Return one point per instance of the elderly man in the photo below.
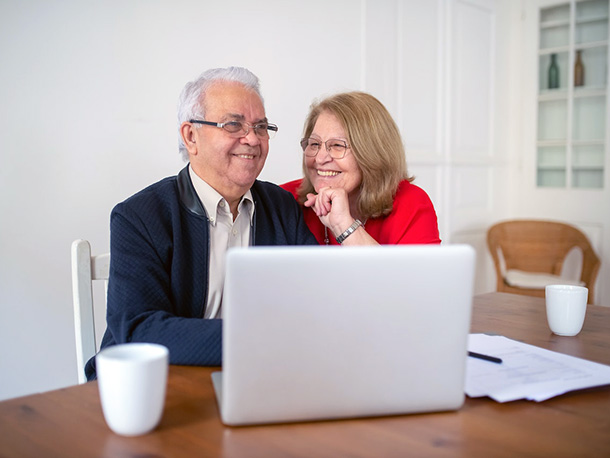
(168, 242)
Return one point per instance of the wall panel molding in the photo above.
(473, 75)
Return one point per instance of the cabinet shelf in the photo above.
(552, 94)
(553, 50)
(572, 121)
(588, 142)
(587, 168)
(593, 91)
(554, 24)
(550, 143)
(550, 168)
(575, 143)
(591, 45)
(558, 168)
(567, 48)
(547, 95)
(588, 20)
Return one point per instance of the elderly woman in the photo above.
(356, 189)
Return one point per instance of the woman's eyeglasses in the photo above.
(336, 148)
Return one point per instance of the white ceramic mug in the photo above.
(132, 380)
(566, 306)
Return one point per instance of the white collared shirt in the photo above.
(224, 234)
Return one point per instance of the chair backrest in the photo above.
(85, 270)
(540, 246)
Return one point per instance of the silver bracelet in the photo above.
(349, 231)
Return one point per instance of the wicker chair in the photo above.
(529, 254)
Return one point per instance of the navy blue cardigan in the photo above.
(158, 285)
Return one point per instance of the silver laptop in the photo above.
(312, 333)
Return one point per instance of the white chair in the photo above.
(85, 270)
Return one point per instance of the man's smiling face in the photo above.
(230, 165)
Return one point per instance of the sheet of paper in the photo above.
(526, 371)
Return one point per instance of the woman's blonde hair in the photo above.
(375, 142)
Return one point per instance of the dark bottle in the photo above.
(553, 73)
(579, 70)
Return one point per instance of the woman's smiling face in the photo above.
(324, 171)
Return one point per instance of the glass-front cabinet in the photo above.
(572, 96)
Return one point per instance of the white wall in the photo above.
(88, 95)
(87, 118)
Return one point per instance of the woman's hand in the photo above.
(331, 205)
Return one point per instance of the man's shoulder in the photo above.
(162, 192)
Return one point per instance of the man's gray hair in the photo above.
(191, 102)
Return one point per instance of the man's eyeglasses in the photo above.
(239, 129)
(335, 147)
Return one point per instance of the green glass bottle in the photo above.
(553, 73)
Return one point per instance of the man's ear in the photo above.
(187, 132)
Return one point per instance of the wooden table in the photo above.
(69, 422)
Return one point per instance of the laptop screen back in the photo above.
(334, 332)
